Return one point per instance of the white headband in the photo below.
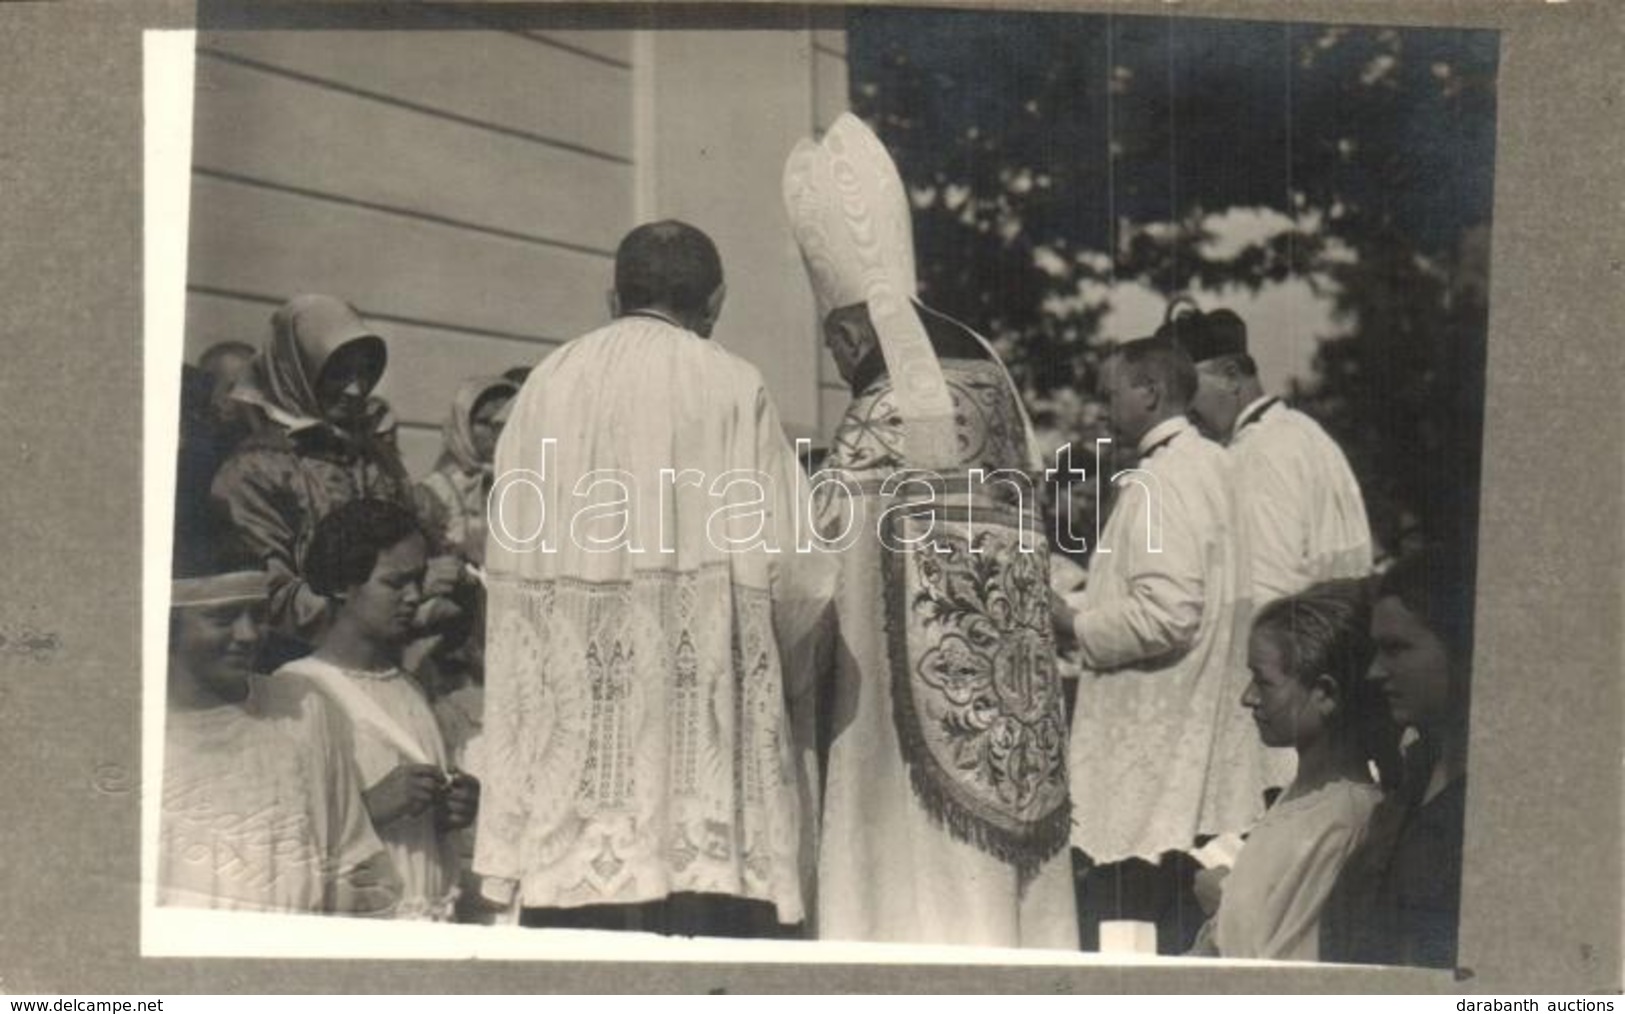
(218, 589)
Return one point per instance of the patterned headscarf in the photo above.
(458, 430)
(306, 332)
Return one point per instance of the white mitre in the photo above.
(850, 215)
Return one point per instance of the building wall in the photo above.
(724, 109)
(465, 188)
(830, 79)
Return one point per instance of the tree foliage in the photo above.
(1050, 156)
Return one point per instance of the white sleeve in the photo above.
(1160, 612)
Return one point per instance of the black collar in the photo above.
(1256, 414)
(1164, 442)
(654, 315)
(949, 340)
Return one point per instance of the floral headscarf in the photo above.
(458, 430)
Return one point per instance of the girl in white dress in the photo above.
(1308, 655)
(369, 558)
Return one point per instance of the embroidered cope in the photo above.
(946, 811)
(945, 815)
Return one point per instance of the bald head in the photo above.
(1145, 382)
(672, 268)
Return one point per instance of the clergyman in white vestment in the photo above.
(1297, 496)
(647, 608)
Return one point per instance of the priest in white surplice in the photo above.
(1162, 751)
(1298, 498)
(646, 605)
(945, 810)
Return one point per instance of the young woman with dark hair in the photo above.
(368, 558)
(1398, 900)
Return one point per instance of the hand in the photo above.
(1205, 946)
(460, 804)
(441, 575)
(435, 613)
(408, 791)
(1061, 616)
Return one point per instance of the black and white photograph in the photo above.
(502, 595)
(839, 484)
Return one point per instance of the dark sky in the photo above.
(1210, 113)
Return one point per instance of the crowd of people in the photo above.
(621, 662)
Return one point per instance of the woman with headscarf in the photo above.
(312, 379)
(452, 497)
